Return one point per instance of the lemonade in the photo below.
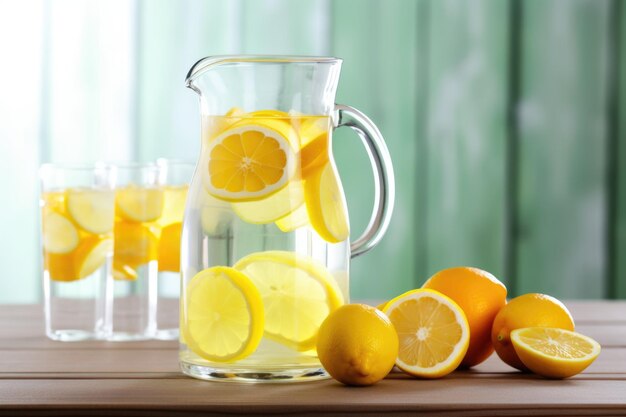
(77, 237)
(265, 206)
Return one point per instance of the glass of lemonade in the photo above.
(77, 211)
(175, 177)
(139, 203)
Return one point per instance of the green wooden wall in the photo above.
(505, 119)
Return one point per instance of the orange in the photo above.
(528, 310)
(357, 344)
(481, 296)
(249, 162)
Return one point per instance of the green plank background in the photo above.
(506, 122)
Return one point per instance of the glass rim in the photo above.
(61, 166)
(208, 62)
(174, 161)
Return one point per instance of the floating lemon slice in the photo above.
(298, 293)
(59, 233)
(169, 248)
(433, 332)
(88, 257)
(272, 208)
(294, 220)
(326, 205)
(135, 245)
(314, 137)
(553, 352)
(224, 315)
(92, 210)
(139, 204)
(248, 163)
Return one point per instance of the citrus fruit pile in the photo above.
(77, 232)
(457, 319)
(281, 296)
(274, 167)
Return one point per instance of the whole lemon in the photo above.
(357, 344)
(480, 295)
(528, 310)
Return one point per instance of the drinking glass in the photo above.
(139, 202)
(175, 177)
(77, 206)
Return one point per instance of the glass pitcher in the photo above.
(265, 247)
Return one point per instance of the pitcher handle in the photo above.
(384, 185)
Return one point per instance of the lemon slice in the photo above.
(553, 352)
(314, 136)
(326, 205)
(139, 204)
(294, 220)
(298, 293)
(135, 245)
(92, 210)
(88, 257)
(433, 332)
(169, 248)
(59, 233)
(272, 208)
(224, 315)
(248, 163)
(92, 254)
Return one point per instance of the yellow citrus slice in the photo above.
(298, 293)
(135, 245)
(248, 163)
(139, 204)
(224, 315)
(294, 220)
(88, 257)
(59, 233)
(169, 248)
(554, 352)
(92, 210)
(433, 332)
(314, 139)
(326, 205)
(272, 208)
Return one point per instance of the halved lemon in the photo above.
(433, 332)
(298, 293)
(248, 163)
(224, 315)
(326, 205)
(294, 220)
(553, 352)
(169, 248)
(272, 208)
(88, 257)
(59, 233)
(93, 210)
(139, 204)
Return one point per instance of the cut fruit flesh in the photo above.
(59, 233)
(139, 204)
(223, 320)
(92, 210)
(298, 293)
(272, 208)
(433, 332)
(326, 205)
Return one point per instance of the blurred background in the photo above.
(506, 122)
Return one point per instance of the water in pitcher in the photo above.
(265, 208)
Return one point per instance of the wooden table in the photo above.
(42, 377)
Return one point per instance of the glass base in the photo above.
(254, 375)
(129, 337)
(166, 334)
(72, 335)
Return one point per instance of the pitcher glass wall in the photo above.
(265, 246)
